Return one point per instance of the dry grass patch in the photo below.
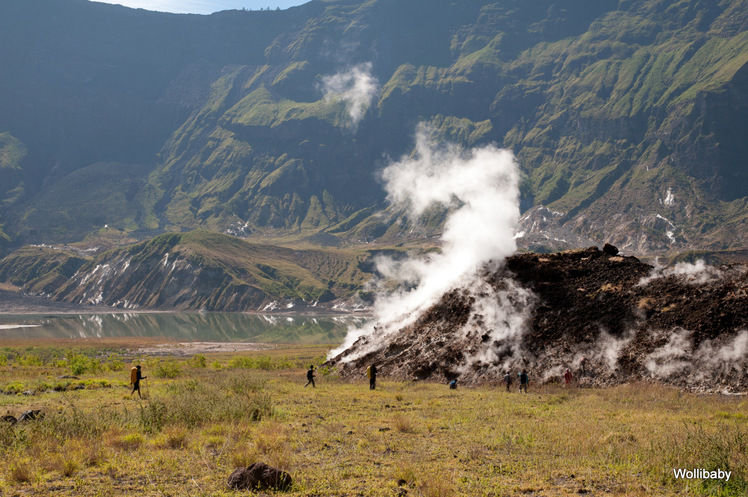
(343, 439)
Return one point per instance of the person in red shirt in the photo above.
(567, 377)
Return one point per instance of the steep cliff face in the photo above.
(195, 271)
(685, 325)
(627, 118)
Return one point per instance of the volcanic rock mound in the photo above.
(686, 326)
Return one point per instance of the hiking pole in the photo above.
(147, 390)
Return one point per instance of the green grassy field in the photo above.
(202, 417)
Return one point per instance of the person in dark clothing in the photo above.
(453, 385)
(135, 378)
(584, 366)
(310, 376)
(524, 380)
(508, 380)
(372, 373)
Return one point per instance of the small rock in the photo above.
(259, 476)
(31, 415)
(9, 419)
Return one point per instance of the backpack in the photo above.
(368, 372)
(134, 375)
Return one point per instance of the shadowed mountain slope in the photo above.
(627, 118)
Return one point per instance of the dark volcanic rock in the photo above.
(31, 415)
(609, 249)
(545, 312)
(259, 476)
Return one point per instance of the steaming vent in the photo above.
(476, 309)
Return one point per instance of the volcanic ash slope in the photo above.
(686, 326)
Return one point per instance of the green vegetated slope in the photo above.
(197, 270)
(617, 112)
(627, 117)
(40, 269)
(12, 153)
(642, 116)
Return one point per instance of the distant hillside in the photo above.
(628, 119)
(199, 270)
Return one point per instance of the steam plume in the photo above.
(481, 188)
(355, 86)
(697, 273)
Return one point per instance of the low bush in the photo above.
(168, 368)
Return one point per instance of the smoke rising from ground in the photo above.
(706, 363)
(356, 87)
(480, 186)
(697, 273)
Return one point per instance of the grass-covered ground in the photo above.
(203, 417)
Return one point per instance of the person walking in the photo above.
(310, 376)
(371, 373)
(568, 377)
(136, 375)
(524, 380)
(508, 380)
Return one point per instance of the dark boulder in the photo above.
(609, 249)
(259, 476)
(31, 415)
(9, 419)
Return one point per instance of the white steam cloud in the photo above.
(480, 186)
(698, 273)
(504, 315)
(356, 87)
(712, 358)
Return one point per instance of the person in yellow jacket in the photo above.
(371, 373)
(135, 376)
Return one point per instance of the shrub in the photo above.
(167, 369)
(13, 388)
(130, 441)
(153, 416)
(261, 362)
(198, 361)
(21, 471)
(80, 364)
(175, 438)
(66, 465)
(30, 360)
(73, 423)
(404, 424)
(114, 363)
